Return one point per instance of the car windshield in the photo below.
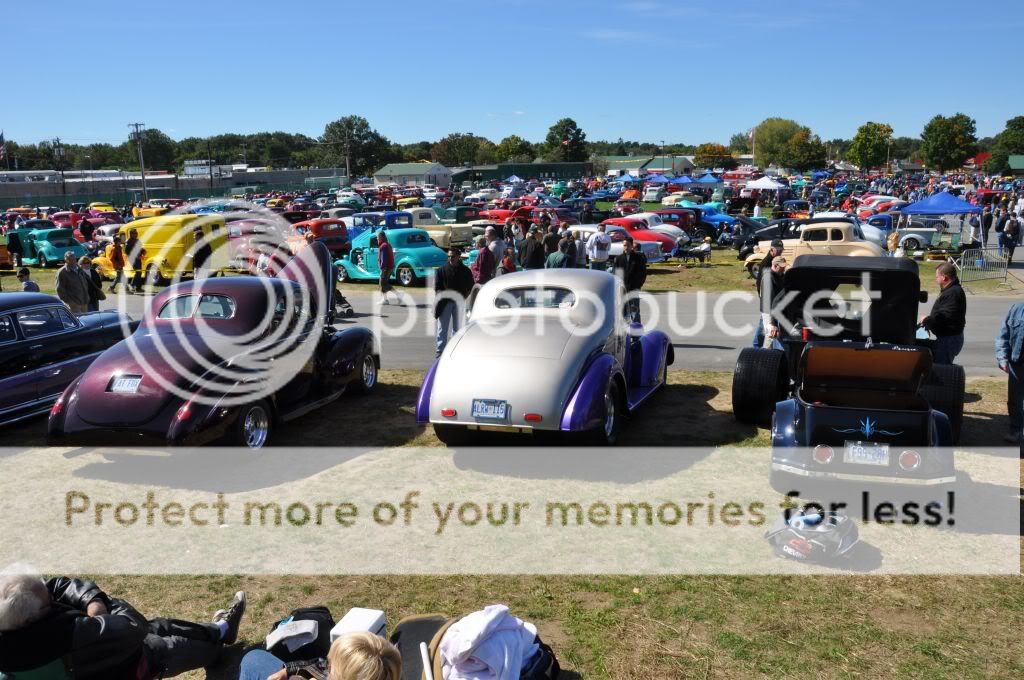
(415, 241)
(540, 297)
(199, 306)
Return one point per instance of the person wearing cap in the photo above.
(531, 251)
(763, 277)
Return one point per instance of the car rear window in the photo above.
(7, 332)
(538, 297)
(201, 306)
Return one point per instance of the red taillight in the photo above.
(823, 454)
(58, 406)
(910, 460)
(449, 412)
(184, 413)
(533, 417)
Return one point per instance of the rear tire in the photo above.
(366, 380)
(43, 264)
(760, 380)
(943, 389)
(406, 276)
(911, 244)
(253, 426)
(615, 411)
(154, 277)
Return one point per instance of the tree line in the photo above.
(945, 143)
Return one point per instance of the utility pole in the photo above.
(142, 164)
(58, 155)
(209, 164)
(244, 158)
(348, 160)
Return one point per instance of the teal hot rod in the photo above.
(415, 256)
(42, 247)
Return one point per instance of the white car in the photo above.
(865, 231)
(650, 249)
(570, 361)
(652, 194)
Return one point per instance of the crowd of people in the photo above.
(70, 629)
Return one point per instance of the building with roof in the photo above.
(1016, 163)
(413, 173)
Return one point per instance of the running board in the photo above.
(311, 406)
(638, 395)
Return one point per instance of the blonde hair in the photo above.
(364, 656)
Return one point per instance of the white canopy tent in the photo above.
(765, 183)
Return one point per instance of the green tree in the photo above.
(803, 151)
(770, 138)
(906, 148)
(740, 143)
(485, 152)
(870, 146)
(948, 142)
(1007, 143)
(514, 149)
(711, 155)
(566, 141)
(418, 151)
(351, 138)
(996, 164)
(456, 149)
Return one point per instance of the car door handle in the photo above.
(55, 372)
(36, 347)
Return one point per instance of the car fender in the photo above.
(942, 431)
(655, 353)
(784, 423)
(346, 346)
(585, 408)
(423, 398)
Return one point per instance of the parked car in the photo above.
(332, 233)
(655, 222)
(443, 234)
(651, 249)
(336, 213)
(653, 194)
(917, 236)
(365, 221)
(560, 380)
(684, 218)
(120, 399)
(43, 347)
(865, 403)
(416, 257)
(827, 236)
(43, 246)
(638, 230)
(169, 241)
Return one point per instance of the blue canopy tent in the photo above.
(682, 179)
(657, 179)
(512, 179)
(943, 203)
(625, 178)
(709, 179)
(819, 175)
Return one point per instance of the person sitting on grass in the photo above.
(70, 628)
(353, 656)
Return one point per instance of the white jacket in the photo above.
(487, 645)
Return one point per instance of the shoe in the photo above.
(233, 616)
(1012, 437)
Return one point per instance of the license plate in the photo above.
(492, 409)
(128, 384)
(866, 453)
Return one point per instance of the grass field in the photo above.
(650, 628)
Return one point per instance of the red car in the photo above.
(638, 230)
(533, 215)
(679, 217)
(331, 232)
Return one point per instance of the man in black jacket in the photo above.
(452, 286)
(948, 316)
(631, 267)
(986, 225)
(72, 628)
(531, 251)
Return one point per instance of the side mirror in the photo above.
(923, 296)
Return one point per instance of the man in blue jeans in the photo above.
(1010, 358)
(453, 285)
(948, 316)
(764, 274)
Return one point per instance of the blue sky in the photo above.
(648, 70)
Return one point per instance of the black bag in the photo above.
(314, 650)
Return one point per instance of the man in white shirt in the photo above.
(598, 246)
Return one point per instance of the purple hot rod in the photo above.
(222, 359)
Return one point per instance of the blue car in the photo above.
(367, 221)
(415, 256)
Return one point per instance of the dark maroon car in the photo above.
(185, 375)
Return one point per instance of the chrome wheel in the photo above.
(255, 427)
(406, 276)
(610, 414)
(369, 372)
(911, 244)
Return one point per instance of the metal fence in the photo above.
(978, 264)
